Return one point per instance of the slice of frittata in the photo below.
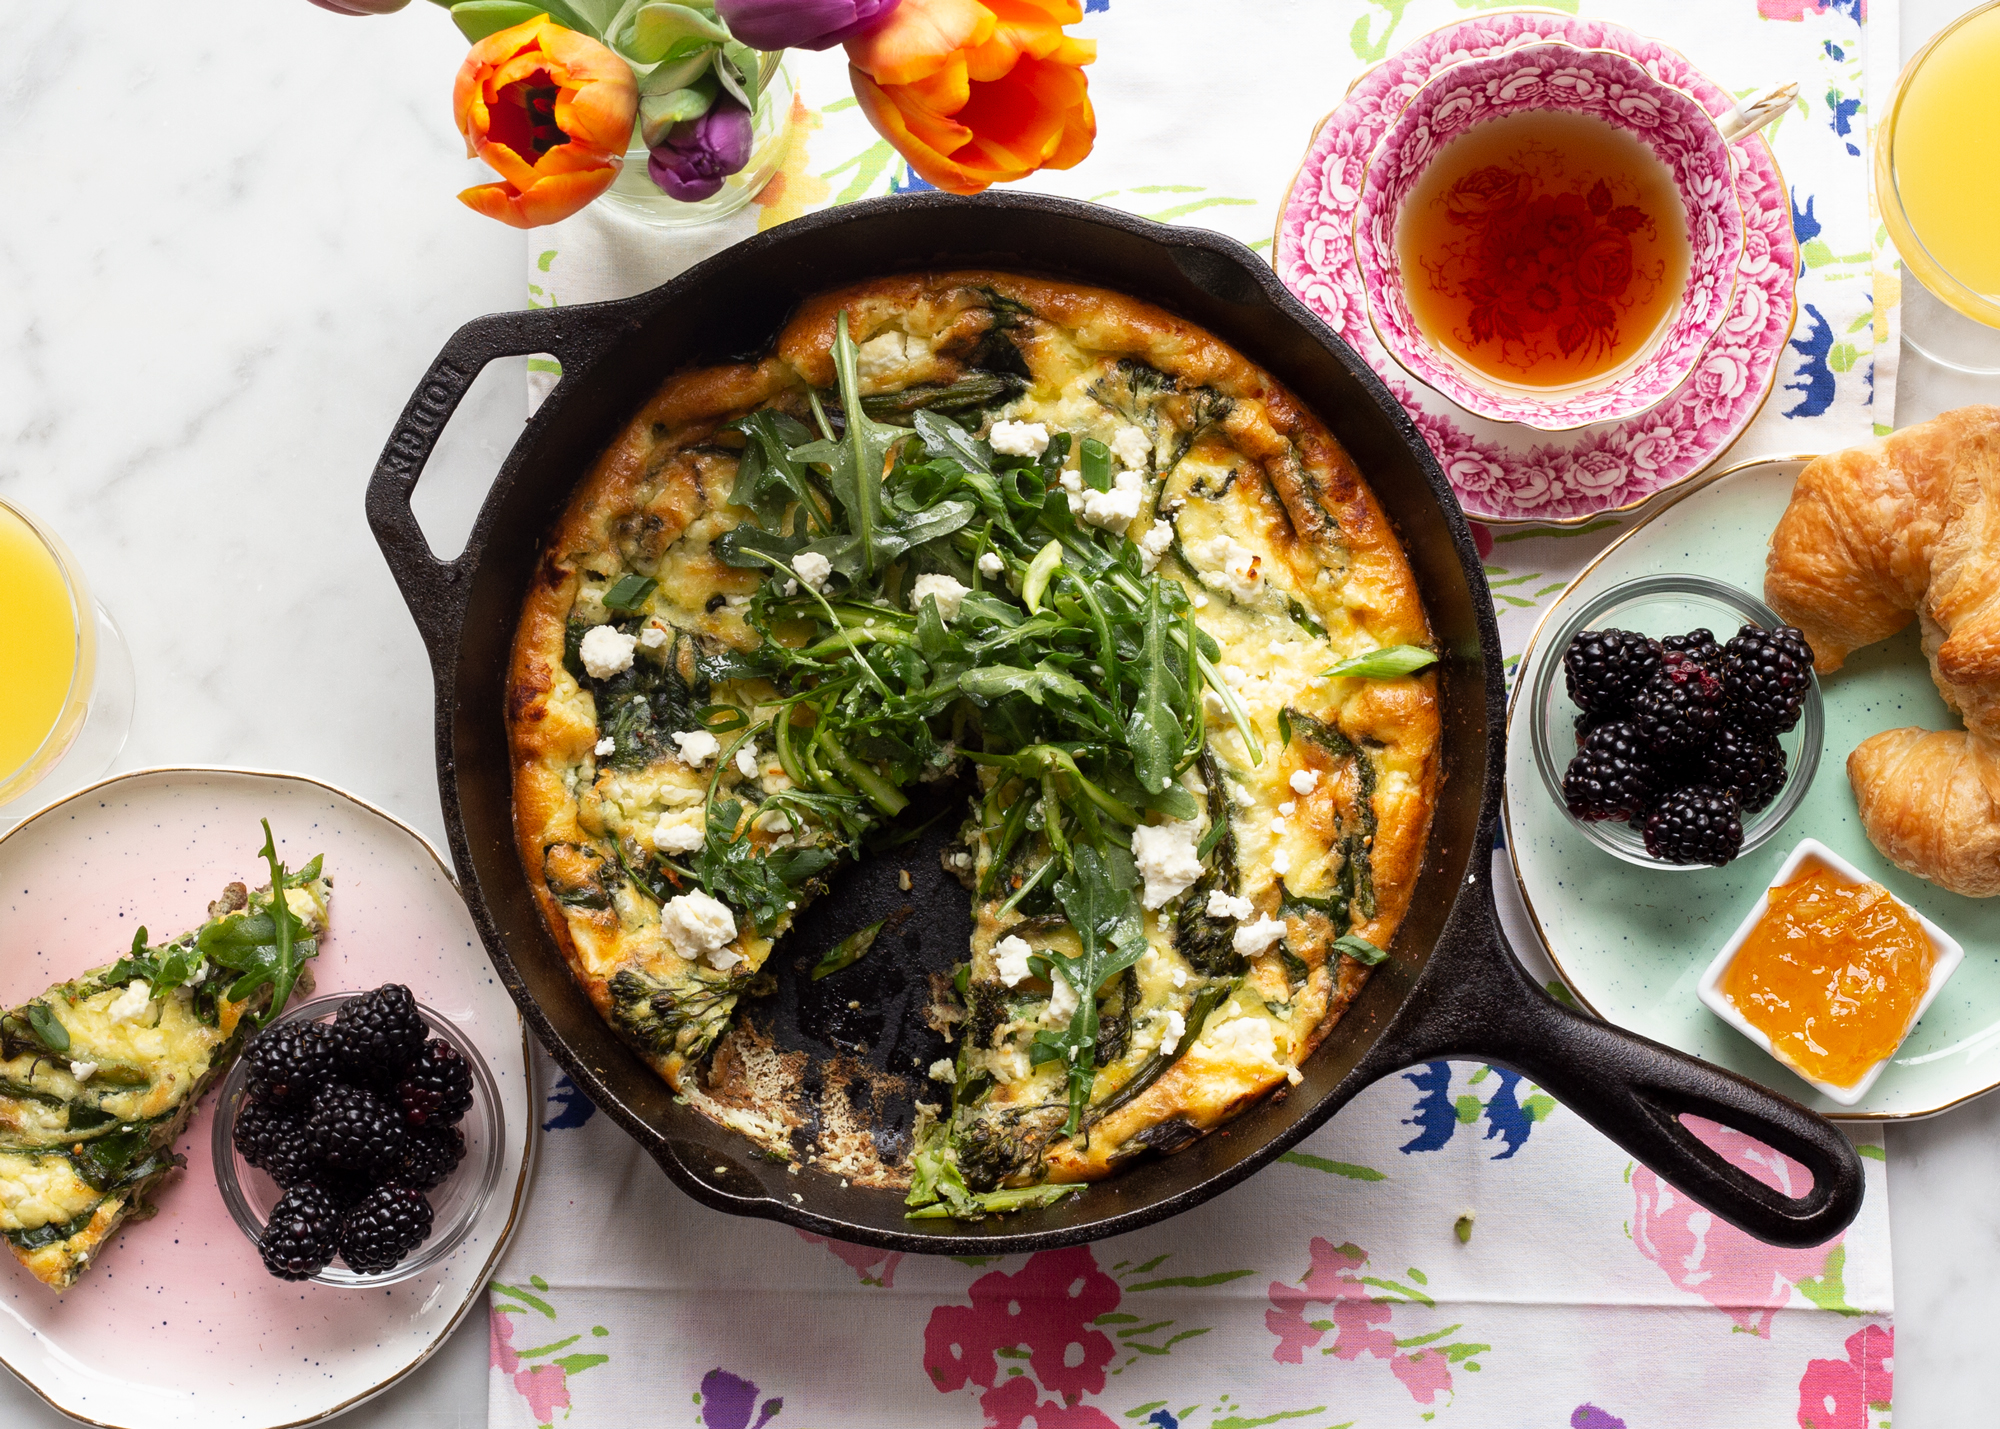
(100, 1075)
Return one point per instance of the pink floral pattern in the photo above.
(545, 1387)
(1048, 1307)
(1837, 1394)
(1512, 473)
(1359, 1322)
(1618, 91)
(1744, 1277)
(871, 1267)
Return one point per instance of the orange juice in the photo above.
(1941, 145)
(42, 682)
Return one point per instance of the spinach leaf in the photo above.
(630, 594)
(52, 1033)
(1360, 949)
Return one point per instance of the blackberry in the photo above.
(437, 1091)
(357, 1131)
(1605, 669)
(1681, 706)
(1699, 644)
(1612, 775)
(290, 1156)
(434, 1153)
(1694, 825)
(302, 1234)
(1765, 674)
(259, 1126)
(289, 1062)
(382, 1227)
(1750, 766)
(379, 1034)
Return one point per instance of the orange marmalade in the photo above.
(1832, 974)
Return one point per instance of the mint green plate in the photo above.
(1632, 943)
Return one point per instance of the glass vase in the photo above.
(635, 194)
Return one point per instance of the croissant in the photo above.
(1930, 801)
(1910, 526)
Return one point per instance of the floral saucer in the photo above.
(1506, 473)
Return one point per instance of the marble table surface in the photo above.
(235, 246)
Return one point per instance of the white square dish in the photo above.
(1947, 956)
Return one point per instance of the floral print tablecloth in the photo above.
(1454, 1245)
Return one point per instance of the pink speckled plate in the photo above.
(178, 1324)
(1504, 473)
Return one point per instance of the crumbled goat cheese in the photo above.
(1243, 798)
(1165, 855)
(1214, 706)
(1243, 1039)
(812, 568)
(991, 566)
(696, 923)
(83, 1071)
(605, 652)
(1062, 1000)
(1279, 827)
(1133, 447)
(132, 1002)
(724, 959)
(1304, 781)
(776, 780)
(943, 1071)
(1227, 565)
(696, 746)
(1154, 543)
(1288, 808)
(746, 761)
(653, 635)
(947, 592)
(1180, 977)
(1281, 863)
(1010, 959)
(1234, 675)
(1251, 939)
(605, 746)
(1228, 905)
(888, 350)
(671, 835)
(1028, 439)
(1115, 509)
(1171, 1034)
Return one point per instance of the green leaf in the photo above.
(1153, 733)
(690, 72)
(652, 32)
(848, 951)
(630, 594)
(659, 113)
(52, 1033)
(855, 464)
(1383, 664)
(476, 19)
(263, 946)
(1359, 948)
(741, 70)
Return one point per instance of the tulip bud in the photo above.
(361, 7)
(698, 154)
(801, 24)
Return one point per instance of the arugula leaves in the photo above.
(264, 946)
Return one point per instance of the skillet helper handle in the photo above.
(435, 590)
(1632, 1089)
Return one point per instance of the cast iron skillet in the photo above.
(1452, 987)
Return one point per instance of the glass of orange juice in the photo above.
(1937, 181)
(65, 675)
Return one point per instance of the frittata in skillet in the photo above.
(1049, 532)
(99, 1075)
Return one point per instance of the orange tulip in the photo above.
(977, 92)
(551, 110)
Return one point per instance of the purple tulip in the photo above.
(801, 24)
(698, 154)
(361, 7)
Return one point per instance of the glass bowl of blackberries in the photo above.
(1677, 720)
(358, 1138)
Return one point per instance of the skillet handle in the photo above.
(435, 590)
(1630, 1088)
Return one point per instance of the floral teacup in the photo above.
(1569, 253)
